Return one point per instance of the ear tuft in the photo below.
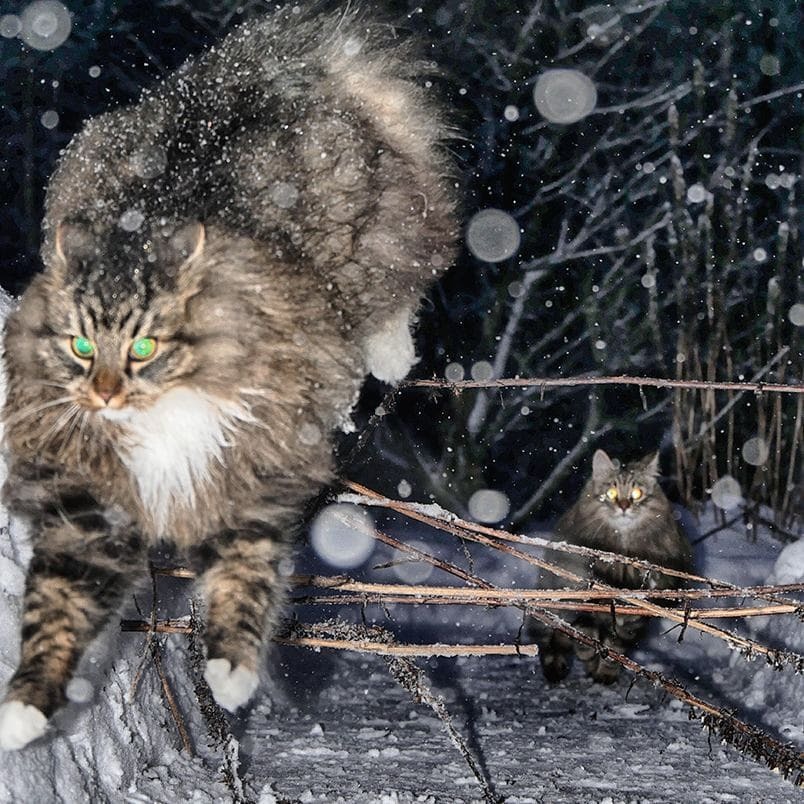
(650, 464)
(72, 242)
(602, 466)
(188, 241)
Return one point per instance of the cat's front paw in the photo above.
(230, 688)
(20, 724)
(389, 352)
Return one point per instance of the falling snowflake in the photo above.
(602, 24)
(796, 315)
(45, 25)
(770, 65)
(10, 26)
(488, 505)
(696, 193)
(493, 235)
(283, 194)
(454, 372)
(148, 163)
(79, 690)
(726, 493)
(564, 96)
(343, 535)
(131, 220)
(411, 571)
(482, 371)
(309, 434)
(49, 119)
(756, 451)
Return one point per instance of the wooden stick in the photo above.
(396, 649)
(171, 700)
(342, 583)
(564, 382)
(558, 605)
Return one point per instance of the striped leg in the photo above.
(243, 592)
(75, 582)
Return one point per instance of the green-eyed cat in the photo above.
(224, 263)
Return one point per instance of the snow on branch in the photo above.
(653, 382)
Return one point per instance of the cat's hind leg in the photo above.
(555, 655)
(243, 591)
(75, 583)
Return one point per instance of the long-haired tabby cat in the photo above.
(623, 510)
(224, 263)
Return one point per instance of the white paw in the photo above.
(389, 351)
(230, 688)
(20, 724)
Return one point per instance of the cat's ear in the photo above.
(72, 243)
(650, 464)
(187, 243)
(602, 466)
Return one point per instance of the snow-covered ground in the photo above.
(338, 728)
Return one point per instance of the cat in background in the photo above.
(622, 510)
(225, 261)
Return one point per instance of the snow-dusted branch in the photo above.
(652, 382)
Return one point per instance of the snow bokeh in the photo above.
(493, 235)
(482, 371)
(489, 506)
(756, 451)
(342, 535)
(726, 493)
(45, 25)
(564, 95)
(454, 372)
(603, 24)
(148, 162)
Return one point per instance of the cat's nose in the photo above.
(107, 385)
(624, 504)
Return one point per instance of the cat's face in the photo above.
(106, 327)
(624, 492)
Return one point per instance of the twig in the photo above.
(339, 634)
(480, 533)
(450, 523)
(344, 583)
(749, 739)
(557, 605)
(409, 650)
(653, 382)
(171, 700)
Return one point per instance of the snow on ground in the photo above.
(338, 728)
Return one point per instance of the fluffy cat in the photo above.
(622, 510)
(224, 263)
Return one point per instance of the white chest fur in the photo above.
(170, 447)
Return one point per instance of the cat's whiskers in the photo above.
(58, 426)
(75, 418)
(37, 407)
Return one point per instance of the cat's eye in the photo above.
(142, 349)
(83, 348)
(637, 493)
(611, 493)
